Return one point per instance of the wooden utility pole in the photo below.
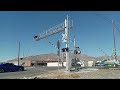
(19, 53)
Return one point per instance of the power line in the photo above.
(117, 27)
(51, 43)
(106, 19)
(102, 17)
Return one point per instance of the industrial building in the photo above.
(48, 63)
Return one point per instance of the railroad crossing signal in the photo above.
(77, 50)
(65, 26)
(65, 49)
(64, 38)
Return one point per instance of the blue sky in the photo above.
(92, 32)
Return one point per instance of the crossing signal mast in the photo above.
(76, 49)
(65, 26)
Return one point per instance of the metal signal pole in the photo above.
(58, 46)
(114, 50)
(67, 44)
(74, 42)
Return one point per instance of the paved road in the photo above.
(29, 71)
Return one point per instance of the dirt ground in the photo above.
(82, 74)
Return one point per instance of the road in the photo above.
(29, 71)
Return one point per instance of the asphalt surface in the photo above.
(29, 71)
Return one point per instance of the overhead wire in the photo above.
(106, 19)
(50, 43)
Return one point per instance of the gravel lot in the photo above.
(101, 74)
(54, 73)
(29, 72)
(90, 73)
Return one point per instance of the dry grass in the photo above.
(68, 76)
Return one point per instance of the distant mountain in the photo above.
(39, 57)
(52, 56)
(102, 57)
(86, 57)
(106, 57)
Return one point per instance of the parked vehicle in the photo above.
(10, 67)
(100, 64)
(108, 64)
(76, 64)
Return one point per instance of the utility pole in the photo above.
(58, 46)
(18, 52)
(114, 49)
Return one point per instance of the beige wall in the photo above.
(90, 63)
(52, 64)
